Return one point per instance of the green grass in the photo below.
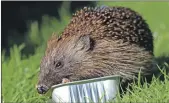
(19, 73)
(156, 91)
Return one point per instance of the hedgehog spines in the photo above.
(115, 22)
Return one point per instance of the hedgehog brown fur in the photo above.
(98, 42)
(116, 23)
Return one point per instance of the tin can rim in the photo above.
(112, 77)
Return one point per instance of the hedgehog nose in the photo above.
(41, 89)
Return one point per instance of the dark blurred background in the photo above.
(16, 14)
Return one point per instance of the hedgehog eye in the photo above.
(57, 64)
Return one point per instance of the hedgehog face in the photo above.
(62, 60)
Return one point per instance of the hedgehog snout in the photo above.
(42, 89)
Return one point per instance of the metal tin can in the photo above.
(100, 89)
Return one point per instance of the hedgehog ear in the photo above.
(84, 42)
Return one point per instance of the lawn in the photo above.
(19, 72)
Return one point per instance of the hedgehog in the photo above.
(98, 42)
